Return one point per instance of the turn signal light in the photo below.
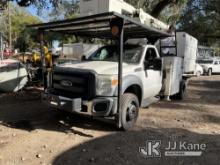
(114, 82)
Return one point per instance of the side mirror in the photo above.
(157, 64)
(146, 65)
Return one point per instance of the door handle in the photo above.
(146, 74)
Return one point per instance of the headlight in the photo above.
(105, 85)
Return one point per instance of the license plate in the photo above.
(77, 104)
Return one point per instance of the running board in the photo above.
(149, 101)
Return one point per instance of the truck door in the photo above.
(153, 73)
(216, 67)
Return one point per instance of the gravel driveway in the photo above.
(30, 134)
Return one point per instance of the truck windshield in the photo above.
(132, 54)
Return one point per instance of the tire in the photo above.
(129, 111)
(182, 91)
(209, 72)
(198, 74)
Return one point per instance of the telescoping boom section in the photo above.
(99, 26)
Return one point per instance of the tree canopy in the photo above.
(154, 7)
(22, 38)
(201, 18)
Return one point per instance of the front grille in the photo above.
(82, 83)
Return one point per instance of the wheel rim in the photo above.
(131, 113)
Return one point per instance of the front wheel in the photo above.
(129, 111)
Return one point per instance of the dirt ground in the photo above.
(31, 134)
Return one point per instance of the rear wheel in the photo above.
(129, 111)
(182, 91)
(209, 72)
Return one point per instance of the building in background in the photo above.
(205, 52)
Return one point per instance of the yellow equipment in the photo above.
(36, 58)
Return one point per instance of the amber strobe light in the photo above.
(115, 30)
(116, 25)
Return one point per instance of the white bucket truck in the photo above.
(119, 78)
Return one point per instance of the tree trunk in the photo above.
(161, 5)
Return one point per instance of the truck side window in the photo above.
(150, 55)
(216, 63)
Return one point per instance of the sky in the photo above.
(33, 10)
(43, 16)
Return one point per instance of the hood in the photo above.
(101, 67)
